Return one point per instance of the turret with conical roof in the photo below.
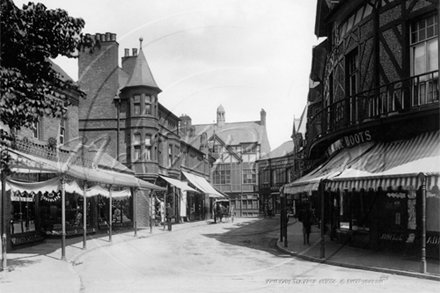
(141, 74)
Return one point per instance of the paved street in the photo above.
(227, 257)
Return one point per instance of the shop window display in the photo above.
(22, 212)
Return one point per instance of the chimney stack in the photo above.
(263, 117)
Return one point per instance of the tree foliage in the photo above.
(30, 87)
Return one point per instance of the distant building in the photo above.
(235, 147)
(279, 167)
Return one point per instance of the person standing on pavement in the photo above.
(170, 215)
(305, 218)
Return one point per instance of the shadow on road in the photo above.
(260, 234)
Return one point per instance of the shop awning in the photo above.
(110, 177)
(179, 184)
(330, 169)
(25, 163)
(203, 185)
(33, 164)
(395, 164)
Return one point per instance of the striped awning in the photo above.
(395, 164)
(330, 169)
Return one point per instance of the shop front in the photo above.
(386, 197)
(206, 202)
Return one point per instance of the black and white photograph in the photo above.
(219, 146)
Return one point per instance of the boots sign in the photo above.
(357, 138)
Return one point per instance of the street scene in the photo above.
(219, 146)
(196, 257)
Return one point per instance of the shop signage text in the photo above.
(357, 138)
(51, 197)
(433, 240)
(392, 237)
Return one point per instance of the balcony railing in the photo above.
(402, 96)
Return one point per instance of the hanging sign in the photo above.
(51, 196)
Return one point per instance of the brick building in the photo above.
(123, 106)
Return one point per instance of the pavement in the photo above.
(39, 268)
(352, 257)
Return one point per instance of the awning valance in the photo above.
(330, 169)
(203, 185)
(179, 184)
(43, 186)
(395, 164)
(98, 190)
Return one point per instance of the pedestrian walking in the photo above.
(306, 219)
(170, 215)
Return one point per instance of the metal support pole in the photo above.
(423, 267)
(151, 211)
(85, 216)
(110, 215)
(282, 218)
(63, 218)
(4, 225)
(134, 192)
(321, 193)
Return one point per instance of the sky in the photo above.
(245, 55)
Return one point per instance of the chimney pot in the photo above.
(135, 52)
(107, 36)
(113, 37)
(127, 52)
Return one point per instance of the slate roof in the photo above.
(284, 149)
(141, 74)
(233, 133)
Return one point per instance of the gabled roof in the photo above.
(141, 74)
(283, 150)
(234, 133)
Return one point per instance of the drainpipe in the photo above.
(118, 129)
